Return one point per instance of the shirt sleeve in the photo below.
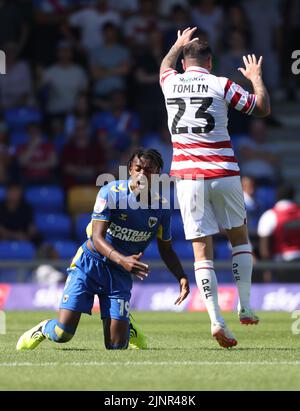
(167, 74)
(164, 229)
(267, 224)
(237, 97)
(101, 209)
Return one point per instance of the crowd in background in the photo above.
(81, 88)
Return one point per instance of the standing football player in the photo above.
(206, 169)
(105, 263)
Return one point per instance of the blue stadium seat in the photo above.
(53, 226)
(18, 118)
(16, 250)
(2, 193)
(222, 250)
(184, 249)
(82, 221)
(66, 249)
(267, 196)
(45, 198)
(18, 137)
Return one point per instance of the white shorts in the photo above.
(206, 205)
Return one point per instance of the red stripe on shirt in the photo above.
(215, 144)
(213, 158)
(227, 87)
(193, 173)
(163, 78)
(235, 99)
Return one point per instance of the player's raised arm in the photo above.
(253, 72)
(173, 263)
(170, 60)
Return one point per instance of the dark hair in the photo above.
(285, 192)
(197, 50)
(150, 154)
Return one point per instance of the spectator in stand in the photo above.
(209, 17)
(118, 128)
(50, 18)
(236, 20)
(6, 154)
(230, 60)
(13, 26)
(267, 37)
(16, 85)
(147, 84)
(81, 161)
(139, 26)
(162, 143)
(126, 8)
(65, 80)
(81, 109)
(279, 232)
(259, 158)
(37, 159)
(253, 205)
(110, 63)
(167, 7)
(16, 217)
(179, 18)
(90, 22)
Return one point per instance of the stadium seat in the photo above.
(81, 199)
(82, 221)
(184, 249)
(65, 249)
(222, 250)
(16, 250)
(2, 193)
(18, 137)
(45, 198)
(267, 196)
(18, 118)
(53, 226)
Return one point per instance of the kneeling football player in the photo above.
(106, 263)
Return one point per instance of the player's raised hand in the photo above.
(252, 68)
(184, 290)
(184, 38)
(134, 266)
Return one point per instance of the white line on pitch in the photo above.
(138, 363)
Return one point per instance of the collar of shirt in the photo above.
(198, 69)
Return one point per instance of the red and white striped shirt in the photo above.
(197, 105)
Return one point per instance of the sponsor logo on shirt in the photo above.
(127, 234)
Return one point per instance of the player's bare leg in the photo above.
(116, 334)
(242, 265)
(59, 330)
(208, 286)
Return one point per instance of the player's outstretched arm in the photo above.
(253, 72)
(171, 58)
(173, 263)
(130, 263)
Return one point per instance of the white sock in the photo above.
(208, 286)
(242, 264)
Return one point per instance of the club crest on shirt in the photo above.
(152, 221)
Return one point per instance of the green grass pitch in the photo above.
(182, 356)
